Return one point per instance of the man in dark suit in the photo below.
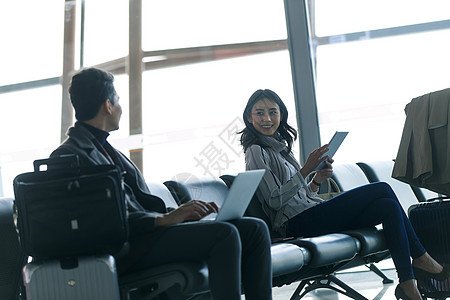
(158, 236)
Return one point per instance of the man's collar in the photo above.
(99, 134)
(81, 136)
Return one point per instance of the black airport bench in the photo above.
(312, 262)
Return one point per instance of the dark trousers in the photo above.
(365, 206)
(236, 252)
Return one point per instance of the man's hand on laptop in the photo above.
(190, 211)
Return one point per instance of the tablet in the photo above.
(333, 145)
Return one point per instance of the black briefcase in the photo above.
(69, 211)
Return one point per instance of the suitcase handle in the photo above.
(58, 162)
(440, 198)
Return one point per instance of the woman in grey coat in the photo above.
(293, 208)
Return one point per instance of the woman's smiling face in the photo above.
(265, 117)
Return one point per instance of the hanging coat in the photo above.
(423, 157)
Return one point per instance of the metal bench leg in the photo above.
(326, 282)
(377, 271)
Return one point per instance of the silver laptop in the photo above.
(239, 196)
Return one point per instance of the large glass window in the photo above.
(29, 122)
(31, 40)
(192, 113)
(363, 86)
(191, 108)
(105, 31)
(345, 16)
(173, 24)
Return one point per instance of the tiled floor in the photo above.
(361, 279)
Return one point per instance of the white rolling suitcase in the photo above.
(85, 278)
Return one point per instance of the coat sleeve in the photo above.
(275, 193)
(140, 221)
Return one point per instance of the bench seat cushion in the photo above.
(329, 249)
(287, 258)
(372, 240)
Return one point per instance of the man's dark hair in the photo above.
(251, 136)
(88, 90)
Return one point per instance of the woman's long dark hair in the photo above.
(251, 136)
